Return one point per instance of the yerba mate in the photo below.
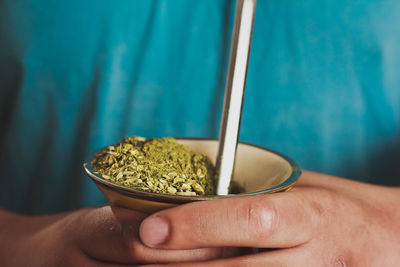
(159, 165)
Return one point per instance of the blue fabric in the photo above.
(323, 86)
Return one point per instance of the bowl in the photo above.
(257, 170)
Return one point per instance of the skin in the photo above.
(323, 221)
(98, 236)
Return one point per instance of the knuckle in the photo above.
(322, 206)
(261, 218)
(318, 210)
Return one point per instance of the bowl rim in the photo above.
(158, 197)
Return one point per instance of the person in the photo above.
(322, 88)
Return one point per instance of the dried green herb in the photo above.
(159, 165)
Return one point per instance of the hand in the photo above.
(323, 221)
(104, 236)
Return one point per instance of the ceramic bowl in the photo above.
(257, 170)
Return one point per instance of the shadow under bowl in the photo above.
(257, 170)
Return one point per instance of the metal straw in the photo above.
(234, 92)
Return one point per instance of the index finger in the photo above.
(270, 221)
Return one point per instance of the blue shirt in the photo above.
(323, 86)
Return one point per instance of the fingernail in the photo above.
(154, 231)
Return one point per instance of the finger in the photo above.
(287, 257)
(110, 234)
(307, 178)
(277, 220)
(315, 179)
(333, 183)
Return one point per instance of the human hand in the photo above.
(323, 221)
(101, 236)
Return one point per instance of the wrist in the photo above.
(9, 235)
(7, 220)
(22, 237)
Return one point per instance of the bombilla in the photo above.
(234, 93)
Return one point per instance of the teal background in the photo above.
(323, 86)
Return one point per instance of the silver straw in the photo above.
(234, 93)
